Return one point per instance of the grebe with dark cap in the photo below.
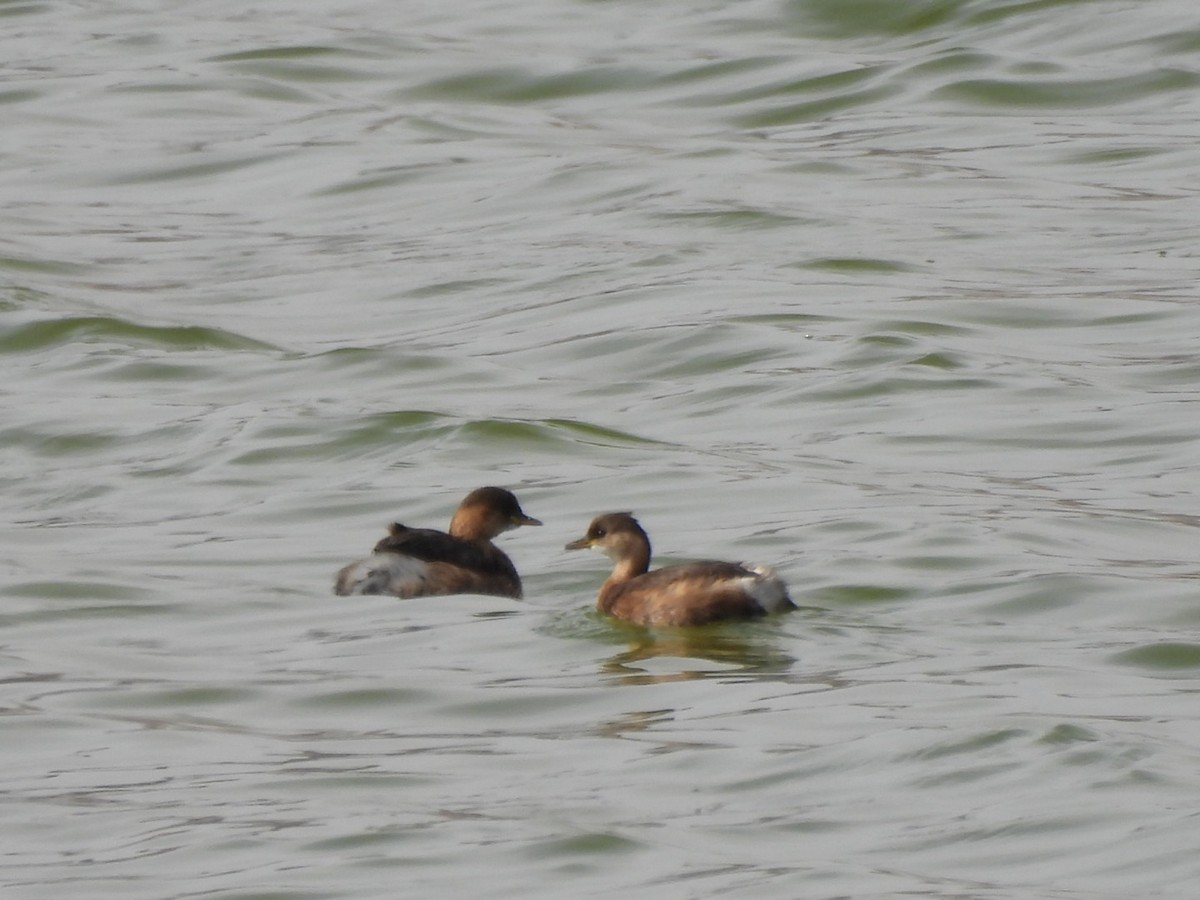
(421, 562)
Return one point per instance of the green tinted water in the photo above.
(896, 297)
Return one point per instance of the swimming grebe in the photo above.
(423, 562)
(694, 593)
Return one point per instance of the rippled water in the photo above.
(899, 297)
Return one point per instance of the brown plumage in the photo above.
(419, 562)
(693, 593)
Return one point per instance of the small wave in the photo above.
(108, 330)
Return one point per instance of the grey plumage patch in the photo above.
(383, 573)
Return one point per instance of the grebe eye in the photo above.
(599, 532)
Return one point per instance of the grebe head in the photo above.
(487, 512)
(617, 535)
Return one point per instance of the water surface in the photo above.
(896, 297)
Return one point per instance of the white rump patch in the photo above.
(767, 589)
(383, 573)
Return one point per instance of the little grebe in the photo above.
(694, 593)
(422, 562)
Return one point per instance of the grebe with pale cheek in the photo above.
(694, 593)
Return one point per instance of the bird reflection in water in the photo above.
(656, 658)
